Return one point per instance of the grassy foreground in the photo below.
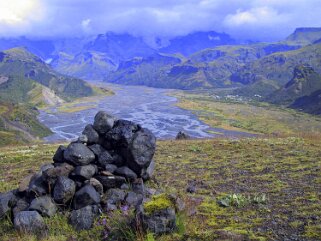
(271, 188)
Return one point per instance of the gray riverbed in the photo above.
(152, 108)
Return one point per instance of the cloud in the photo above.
(251, 19)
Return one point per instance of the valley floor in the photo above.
(234, 113)
(270, 188)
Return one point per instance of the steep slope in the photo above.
(279, 66)
(21, 63)
(310, 103)
(305, 36)
(304, 82)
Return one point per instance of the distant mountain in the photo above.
(86, 65)
(21, 65)
(119, 46)
(279, 66)
(304, 82)
(197, 41)
(305, 36)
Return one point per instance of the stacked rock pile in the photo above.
(105, 168)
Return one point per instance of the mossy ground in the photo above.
(286, 170)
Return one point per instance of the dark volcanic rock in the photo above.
(83, 219)
(138, 186)
(44, 205)
(182, 136)
(29, 222)
(134, 199)
(105, 158)
(91, 133)
(96, 149)
(51, 175)
(126, 172)
(86, 196)
(160, 222)
(21, 205)
(38, 185)
(122, 133)
(115, 196)
(110, 168)
(97, 185)
(59, 155)
(103, 122)
(64, 190)
(87, 171)
(141, 150)
(79, 154)
(7, 200)
(147, 173)
(111, 181)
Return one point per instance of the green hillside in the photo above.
(21, 63)
(279, 66)
(304, 82)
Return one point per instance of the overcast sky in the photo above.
(246, 19)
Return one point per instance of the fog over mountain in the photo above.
(263, 20)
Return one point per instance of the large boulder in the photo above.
(115, 196)
(29, 222)
(63, 169)
(78, 154)
(85, 172)
(111, 181)
(161, 221)
(148, 172)
(122, 133)
(21, 205)
(91, 133)
(105, 158)
(38, 185)
(83, 219)
(44, 205)
(7, 200)
(103, 122)
(86, 196)
(59, 155)
(64, 190)
(141, 150)
(126, 172)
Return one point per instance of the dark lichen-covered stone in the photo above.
(79, 154)
(140, 151)
(111, 181)
(29, 222)
(44, 205)
(115, 196)
(91, 133)
(122, 133)
(83, 219)
(87, 195)
(126, 172)
(7, 200)
(86, 172)
(59, 155)
(64, 190)
(103, 122)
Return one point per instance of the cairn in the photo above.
(105, 168)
